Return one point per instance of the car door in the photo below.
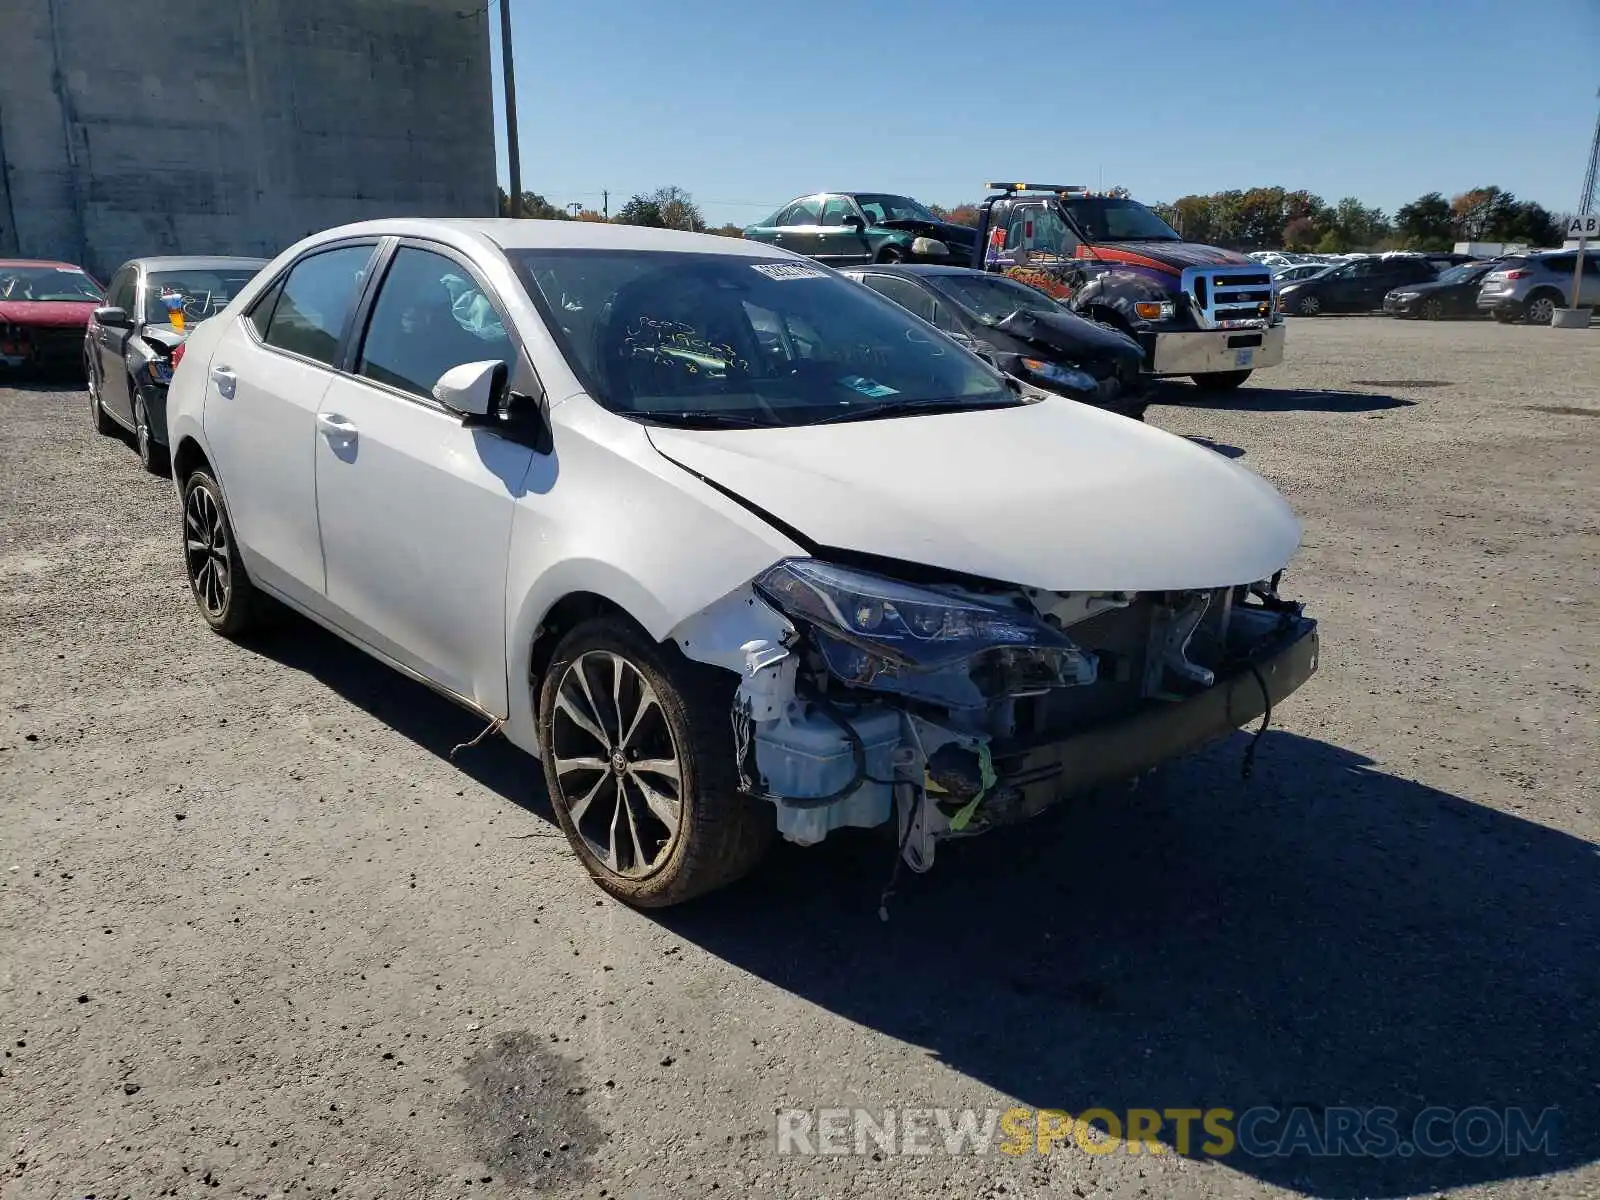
(111, 344)
(839, 242)
(1589, 284)
(799, 227)
(415, 506)
(267, 376)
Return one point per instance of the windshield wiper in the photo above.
(900, 408)
(695, 418)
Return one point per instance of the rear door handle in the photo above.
(225, 380)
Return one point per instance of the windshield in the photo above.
(1465, 273)
(67, 284)
(881, 208)
(993, 298)
(719, 339)
(199, 293)
(1109, 219)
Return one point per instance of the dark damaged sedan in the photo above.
(843, 228)
(1453, 294)
(1022, 331)
(136, 339)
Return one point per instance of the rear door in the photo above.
(415, 507)
(267, 377)
(799, 227)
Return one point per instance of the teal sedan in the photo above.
(849, 228)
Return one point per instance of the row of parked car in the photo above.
(738, 546)
(1527, 286)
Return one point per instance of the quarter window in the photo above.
(430, 316)
(315, 302)
(906, 294)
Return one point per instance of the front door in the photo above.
(415, 507)
(111, 345)
(267, 377)
(840, 243)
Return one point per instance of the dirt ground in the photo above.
(259, 936)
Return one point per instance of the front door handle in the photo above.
(225, 380)
(336, 428)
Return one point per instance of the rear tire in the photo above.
(1540, 308)
(654, 835)
(1220, 381)
(222, 590)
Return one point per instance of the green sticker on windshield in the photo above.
(868, 387)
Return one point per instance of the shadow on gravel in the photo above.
(1327, 936)
(1222, 448)
(422, 715)
(1269, 399)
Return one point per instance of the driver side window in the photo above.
(837, 211)
(119, 294)
(430, 315)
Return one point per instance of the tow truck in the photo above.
(1196, 310)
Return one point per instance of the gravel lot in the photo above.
(260, 937)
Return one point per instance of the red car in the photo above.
(44, 311)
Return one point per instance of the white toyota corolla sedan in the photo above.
(735, 546)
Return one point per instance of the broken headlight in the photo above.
(889, 636)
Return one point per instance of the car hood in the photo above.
(48, 314)
(1169, 256)
(1053, 494)
(1070, 334)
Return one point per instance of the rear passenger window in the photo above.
(261, 310)
(315, 301)
(430, 316)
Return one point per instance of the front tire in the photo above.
(103, 424)
(891, 255)
(639, 763)
(152, 455)
(1309, 306)
(222, 589)
(1432, 310)
(1220, 381)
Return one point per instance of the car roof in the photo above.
(513, 233)
(193, 262)
(930, 269)
(38, 262)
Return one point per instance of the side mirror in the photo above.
(112, 317)
(855, 223)
(473, 389)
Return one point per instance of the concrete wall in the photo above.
(133, 127)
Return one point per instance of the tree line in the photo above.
(1260, 218)
(667, 207)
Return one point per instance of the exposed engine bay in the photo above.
(956, 708)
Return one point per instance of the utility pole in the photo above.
(513, 156)
(605, 209)
(575, 207)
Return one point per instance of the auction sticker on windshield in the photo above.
(868, 387)
(782, 271)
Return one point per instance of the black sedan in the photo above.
(1022, 331)
(134, 340)
(1453, 294)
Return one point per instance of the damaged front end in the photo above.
(959, 707)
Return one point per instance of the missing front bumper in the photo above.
(1033, 776)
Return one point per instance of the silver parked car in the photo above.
(1531, 287)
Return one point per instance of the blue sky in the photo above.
(744, 108)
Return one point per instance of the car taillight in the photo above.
(177, 355)
(1516, 274)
